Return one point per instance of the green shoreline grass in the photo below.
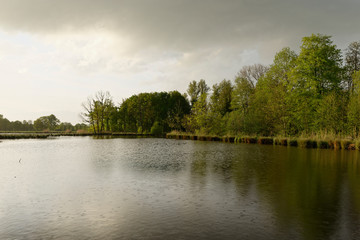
(303, 142)
(44, 135)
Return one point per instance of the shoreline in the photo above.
(42, 135)
(336, 144)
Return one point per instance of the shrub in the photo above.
(284, 141)
(357, 145)
(307, 143)
(265, 140)
(81, 131)
(140, 131)
(323, 144)
(251, 140)
(345, 144)
(335, 144)
(156, 129)
(293, 143)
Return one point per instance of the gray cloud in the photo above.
(188, 24)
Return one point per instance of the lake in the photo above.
(147, 188)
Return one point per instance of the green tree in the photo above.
(65, 126)
(219, 106)
(352, 63)
(317, 73)
(221, 97)
(4, 123)
(200, 114)
(245, 82)
(156, 129)
(318, 68)
(140, 112)
(178, 108)
(243, 91)
(193, 92)
(270, 110)
(354, 107)
(46, 123)
(53, 122)
(196, 89)
(97, 111)
(203, 88)
(331, 113)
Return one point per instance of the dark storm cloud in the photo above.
(188, 24)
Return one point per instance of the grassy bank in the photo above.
(43, 135)
(23, 136)
(303, 142)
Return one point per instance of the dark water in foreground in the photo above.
(82, 188)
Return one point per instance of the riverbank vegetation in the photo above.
(143, 113)
(308, 93)
(315, 92)
(43, 124)
(303, 142)
(312, 92)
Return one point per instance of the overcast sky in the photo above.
(54, 54)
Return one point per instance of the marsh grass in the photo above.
(283, 141)
(335, 144)
(323, 144)
(42, 135)
(266, 140)
(293, 143)
(307, 143)
(229, 139)
(24, 136)
(357, 144)
(346, 144)
(322, 140)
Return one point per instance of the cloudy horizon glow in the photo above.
(55, 54)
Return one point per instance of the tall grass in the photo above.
(323, 140)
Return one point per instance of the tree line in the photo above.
(142, 113)
(44, 123)
(316, 90)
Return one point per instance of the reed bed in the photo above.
(42, 135)
(24, 136)
(321, 141)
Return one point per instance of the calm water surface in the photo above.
(84, 188)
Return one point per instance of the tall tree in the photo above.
(203, 88)
(200, 112)
(245, 82)
(97, 111)
(243, 90)
(140, 112)
(193, 92)
(317, 73)
(352, 63)
(4, 123)
(46, 123)
(318, 68)
(354, 107)
(178, 108)
(221, 97)
(252, 73)
(269, 106)
(196, 89)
